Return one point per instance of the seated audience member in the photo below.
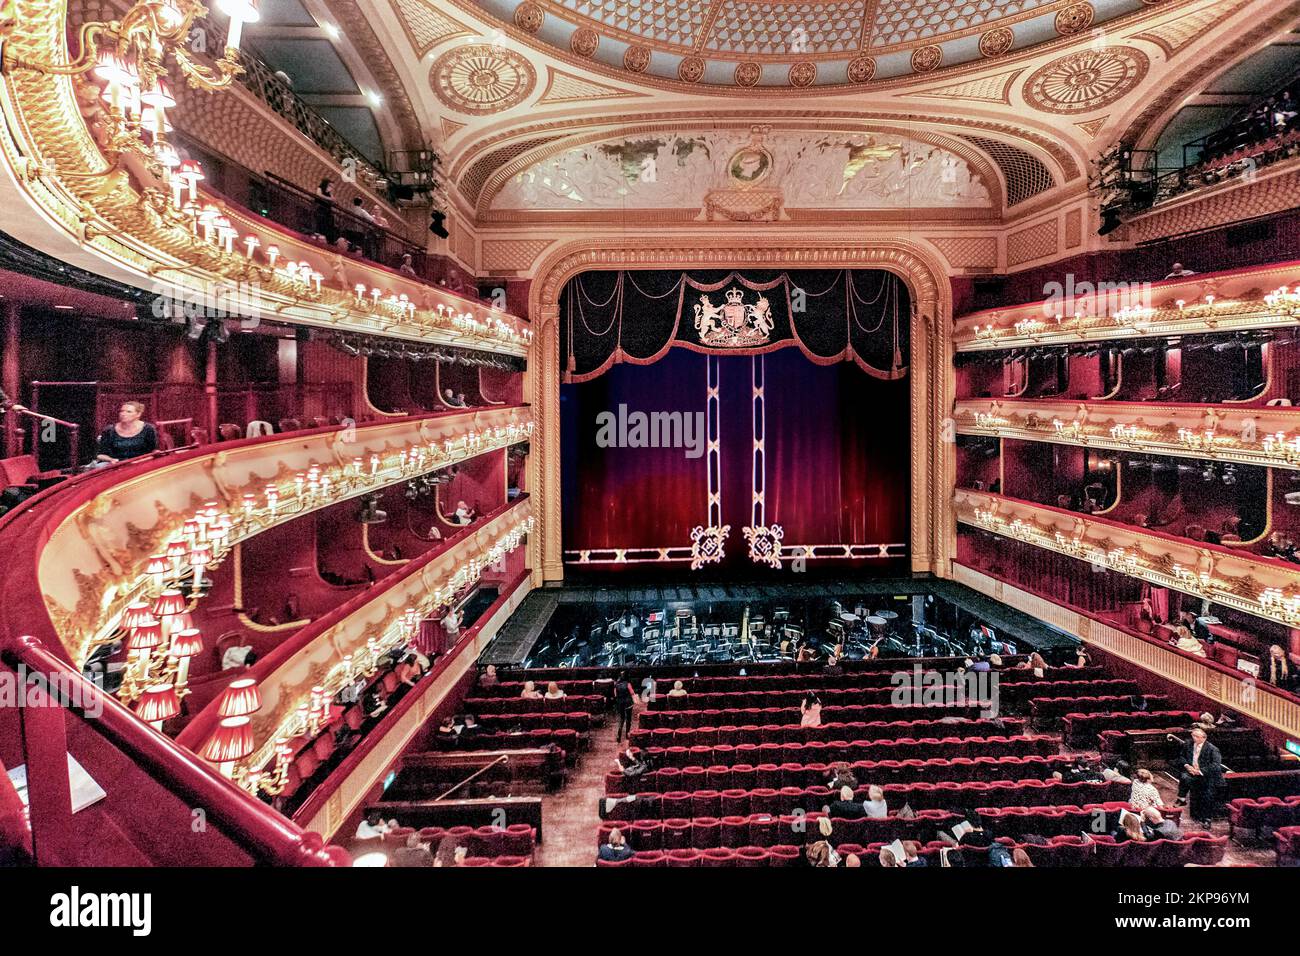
(414, 853)
(1279, 669)
(471, 730)
(1020, 858)
(810, 709)
(464, 514)
(407, 268)
(678, 690)
(449, 854)
(1081, 658)
(374, 826)
(630, 761)
(912, 854)
(995, 662)
(489, 677)
(1144, 793)
(460, 400)
(1187, 642)
(852, 862)
(842, 776)
(237, 657)
(447, 730)
(1037, 664)
(1130, 828)
(1177, 271)
(874, 806)
(530, 691)
(888, 860)
(616, 849)
(374, 703)
(1156, 827)
(822, 853)
(408, 671)
(846, 808)
(980, 664)
(128, 437)
(449, 397)
(553, 692)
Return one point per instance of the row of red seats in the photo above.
(764, 829)
(1059, 820)
(873, 730)
(591, 703)
(1010, 695)
(517, 839)
(651, 720)
(1082, 729)
(828, 752)
(919, 796)
(1287, 842)
(579, 721)
(1047, 710)
(812, 680)
(745, 777)
(497, 861)
(1074, 851)
(569, 741)
(1257, 814)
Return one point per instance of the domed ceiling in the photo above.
(780, 44)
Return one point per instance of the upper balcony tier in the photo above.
(86, 181)
(1260, 297)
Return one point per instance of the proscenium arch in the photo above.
(933, 534)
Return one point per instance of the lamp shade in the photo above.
(181, 622)
(158, 702)
(187, 643)
(233, 740)
(145, 636)
(136, 614)
(169, 602)
(240, 699)
(159, 96)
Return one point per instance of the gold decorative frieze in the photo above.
(1237, 579)
(1268, 436)
(1255, 298)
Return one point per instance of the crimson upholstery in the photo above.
(651, 719)
(818, 751)
(569, 741)
(1059, 820)
(948, 795)
(1258, 814)
(791, 774)
(1287, 842)
(591, 703)
(579, 721)
(1047, 710)
(1081, 728)
(874, 730)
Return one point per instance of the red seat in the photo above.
(684, 857)
(676, 833)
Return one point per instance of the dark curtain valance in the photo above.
(830, 315)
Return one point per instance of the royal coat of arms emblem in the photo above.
(735, 324)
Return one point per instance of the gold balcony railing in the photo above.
(1266, 436)
(179, 518)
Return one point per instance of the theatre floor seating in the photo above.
(795, 774)
(1082, 729)
(1287, 841)
(718, 717)
(948, 795)
(487, 845)
(1199, 848)
(480, 706)
(876, 730)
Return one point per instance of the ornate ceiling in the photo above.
(775, 44)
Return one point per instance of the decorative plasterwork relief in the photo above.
(1085, 81)
(426, 26)
(481, 78)
(1037, 242)
(562, 87)
(821, 170)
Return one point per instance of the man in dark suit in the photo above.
(1202, 774)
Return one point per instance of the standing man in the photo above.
(624, 704)
(1202, 773)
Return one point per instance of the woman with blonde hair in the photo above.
(1279, 670)
(1144, 793)
(553, 691)
(530, 692)
(1130, 828)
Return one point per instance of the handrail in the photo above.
(256, 827)
(74, 430)
(481, 770)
